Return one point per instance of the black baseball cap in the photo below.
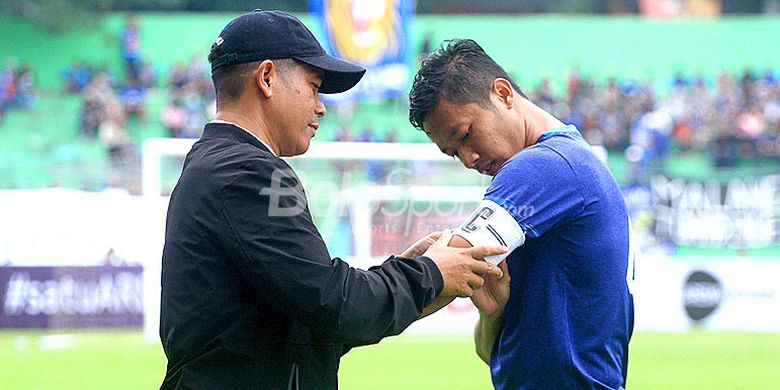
(268, 35)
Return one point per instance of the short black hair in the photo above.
(459, 71)
(229, 80)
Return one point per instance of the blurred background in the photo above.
(101, 100)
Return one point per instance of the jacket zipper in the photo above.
(293, 383)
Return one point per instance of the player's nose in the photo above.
(319, 108)
(469, 158)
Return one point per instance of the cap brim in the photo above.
(339, 75)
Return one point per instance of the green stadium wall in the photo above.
(530, 47)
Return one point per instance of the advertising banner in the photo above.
(71, 297)
(719, 294)
(743, 213)
(673, 295)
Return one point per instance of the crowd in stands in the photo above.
(107, 107)
(110, 102)
(17, 86)
(191, 102)
(735, 117)
(107, 103)
(731, 118)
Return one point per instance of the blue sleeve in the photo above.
(539, 188)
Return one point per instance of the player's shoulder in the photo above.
(535, 159)
(555, 150)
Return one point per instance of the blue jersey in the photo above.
(570, 313)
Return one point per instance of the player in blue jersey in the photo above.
(562, 316)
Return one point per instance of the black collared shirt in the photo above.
(251, 299)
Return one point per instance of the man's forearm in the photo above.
(485, 333)
(438, 303)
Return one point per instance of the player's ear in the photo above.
(502, 89)
(265, 74)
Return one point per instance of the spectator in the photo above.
(192, 95)
(726, 148)
(113, 136)
(195, 113)
(651, 133)
(99, 97)
(177, 79)
(751, 122)
(25, 87)
(111, 133)
(8, 83)
(130, 41)
(147, 76)
(76, 77)
(367, 134)
(17, 86)
(772, 109)
(543, 95)
(173, 118)
(133, 98)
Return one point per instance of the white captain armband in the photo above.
(491, 225)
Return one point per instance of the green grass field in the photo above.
(121, 360)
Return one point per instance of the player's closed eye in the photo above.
(462, 141)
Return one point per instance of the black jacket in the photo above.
(250, 297)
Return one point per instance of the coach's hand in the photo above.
(422, 245)
(463, 269)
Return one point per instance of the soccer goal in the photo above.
(369, 200)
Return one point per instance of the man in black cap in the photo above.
(250, 295)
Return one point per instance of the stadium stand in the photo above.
(57, 153)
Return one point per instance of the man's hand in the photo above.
(422, 245)
(491, 299)
(463, 269)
